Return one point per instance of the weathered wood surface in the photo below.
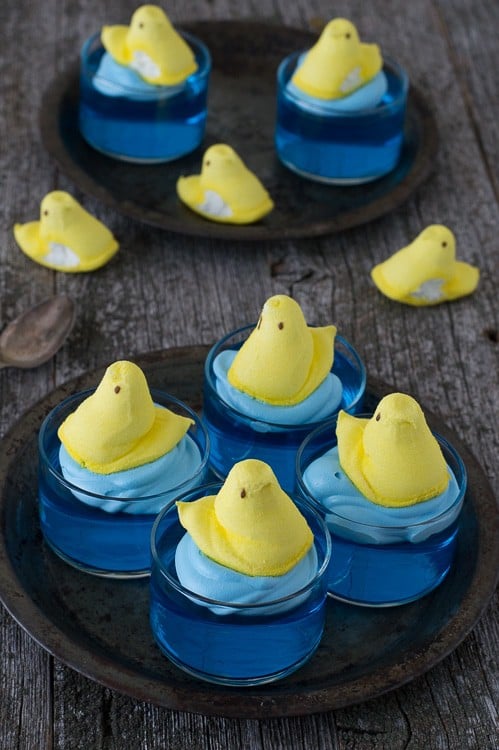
(168, 290)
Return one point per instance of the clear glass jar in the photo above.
(381, 564)
(339, 147)
(230, 643)
(142, 122)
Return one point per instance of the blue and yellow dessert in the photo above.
(110, 460)
(144, 89)
(267, 385)
(391, 493)
(340, 109)
(238, 579)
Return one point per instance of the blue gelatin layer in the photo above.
(388, 574)
(88, 537)
(144, 129)
(344, 147)
(95, 544)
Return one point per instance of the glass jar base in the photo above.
(332, 180)
(238, 681)
(115, 574)
(396, 603)
(137, 159)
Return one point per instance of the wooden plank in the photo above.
(167, 290)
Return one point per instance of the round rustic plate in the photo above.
(241, 112)
(101, 628)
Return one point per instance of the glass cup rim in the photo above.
(155, 393)
(306, 427)
(461, 479)
(212, 488)
(388, 63)
(203, 70)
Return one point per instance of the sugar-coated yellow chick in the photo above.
(151, 47)
(338, 63)
(119, 427)
(283, 360)
(426, 271)
(226, 190)
(392, 458)
(67, 237)
(251, 526)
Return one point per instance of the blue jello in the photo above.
(234, 436)
(125, 117)
(104, 534)
(382, 563)
(339, 147)
(227, 642)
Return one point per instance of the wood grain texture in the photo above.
(165, 290)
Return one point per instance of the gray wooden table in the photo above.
(165, 290)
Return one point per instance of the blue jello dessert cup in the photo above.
(132, 120)
(234, 436)
(339, 147)
(227, 642)
(108, 534)
(381, 564)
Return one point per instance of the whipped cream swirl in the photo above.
(114, 79)
(149, 486)
(205, 577)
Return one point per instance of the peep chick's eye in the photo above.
(243, 493)
(45, 213)
(347, 35)
(141, 25)
(444, 244)
(207, 163)
(280, 326)
(378, 416)
(117, 389)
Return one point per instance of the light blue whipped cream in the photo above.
(366, 97)
(156, 482)
(201, 575)
(351, 515)
(322, 403)
(113, 79)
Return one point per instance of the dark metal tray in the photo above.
(100, 627)
(241, 112)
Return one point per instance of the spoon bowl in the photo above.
(34, 336)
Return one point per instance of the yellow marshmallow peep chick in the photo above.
(151, 46)
(338, 63)
(283, 360)
(251, 525)
(118, 427)
(226, 190)
(392, 458)
(66, 238)
(426, 271)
